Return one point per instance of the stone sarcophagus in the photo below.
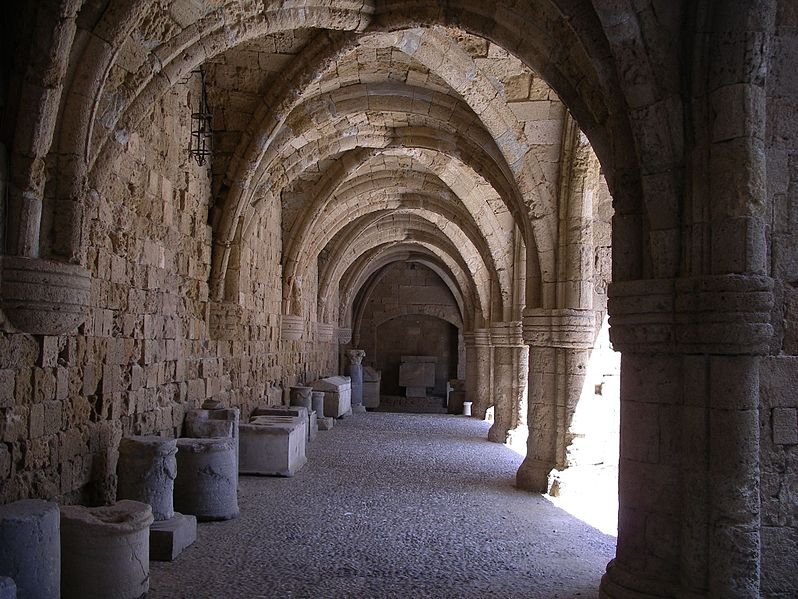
(337, 395)
(296, 411)
(416, 373)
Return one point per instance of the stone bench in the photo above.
(273, 445)
(207, 478)
(105, 551)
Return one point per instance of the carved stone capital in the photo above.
(714, 314)
(43, 297)
(344, 335)
(573, 329)
(478, 338)
(325, 332)
(507, 334)
(355, 356)
(291, 327)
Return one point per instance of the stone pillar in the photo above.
(510, 369)
(478, 371)
(689, 484)
(147, 469)
(30, 549)
(560, 342)
(356, 374)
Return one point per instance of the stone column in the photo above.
(478, 371)
(689, 498)
(510, 369)
(560, 342)
(356, 374)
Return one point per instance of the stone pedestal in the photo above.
(326, 423)
(147, 469)
(168, 538)
(301, 396)
(8, 588)
(371, 387)
(356, 374)
(456, 396)
(317, 402)
(273, 445)
(105, 551)
(30, 550)
(207, 478)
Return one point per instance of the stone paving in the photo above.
(393, 505)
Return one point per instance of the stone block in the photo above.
(168, 538)
(105, 551)
(326, 423)
(414, 372)
(785, 426)
(371, 387)
(273, 446)
(147, 469)
(30, 550)
(296, 411)
(207, 478)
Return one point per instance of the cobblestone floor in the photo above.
(393, 505)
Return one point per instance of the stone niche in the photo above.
(416, 373)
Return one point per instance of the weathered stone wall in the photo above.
(779, 373)
(153, 345)
(410, 311)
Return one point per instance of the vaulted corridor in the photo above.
(393, 505)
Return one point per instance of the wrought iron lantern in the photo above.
(201, 126)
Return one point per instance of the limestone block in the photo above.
(317, 402)
(785, 426)
(273, 446)
(168, 538)
(105, 551)
(326, 423)
(30, 550)
(8, 589)
(337, 395)
(417, 371)
(296, 411)
(371, 387)
(147, 469)
(207, 480)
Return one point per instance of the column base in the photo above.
(618, 584)
(497, 434)
(358, 409)
(533, 476)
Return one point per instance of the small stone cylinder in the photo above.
(8, 589)
(147, 470)
(317, 402)
(207, 478)
(301, 396)
(30, 550)
(105, 551)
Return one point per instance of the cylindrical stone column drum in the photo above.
(105, 551)
(30, 548)
(207, 478)
(8, 589)
(317, 403)
(147, 470)
(301, 396)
